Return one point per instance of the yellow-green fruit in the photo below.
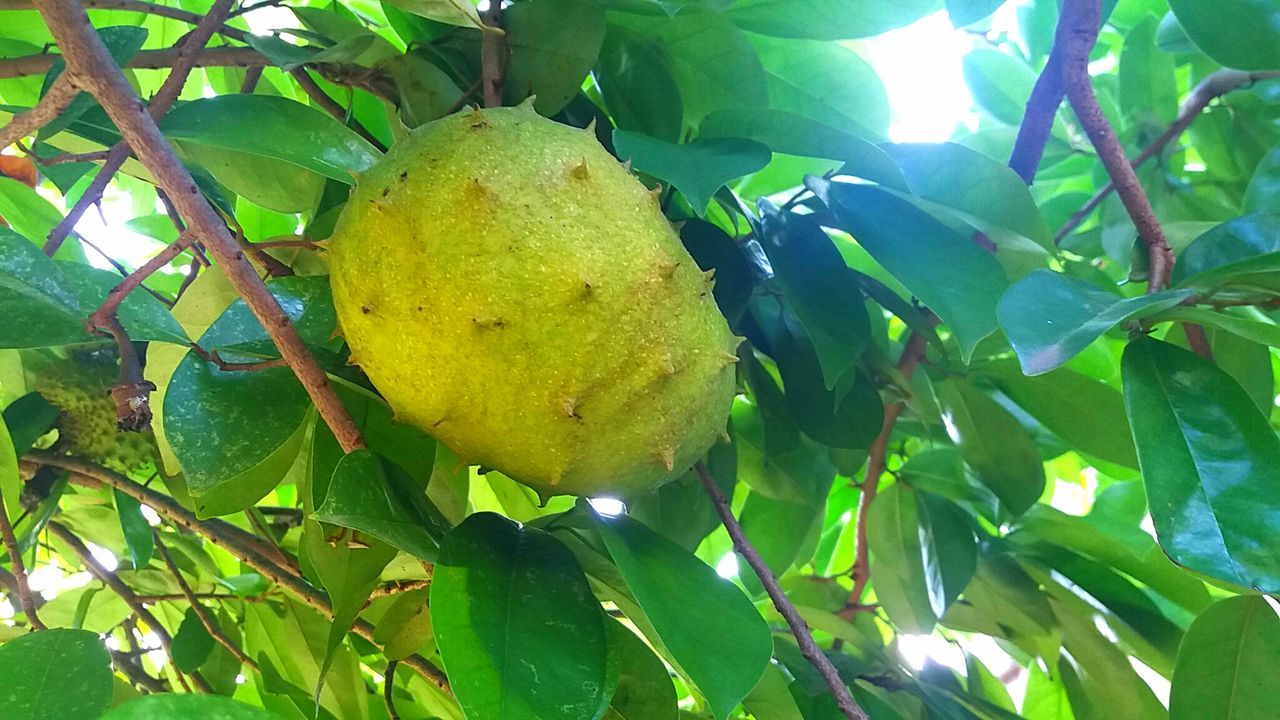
(512, 290)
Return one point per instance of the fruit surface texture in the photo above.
(514, 291)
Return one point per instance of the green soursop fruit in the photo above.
(514, 291)
(78, 385)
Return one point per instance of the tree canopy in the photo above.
(1004, 440)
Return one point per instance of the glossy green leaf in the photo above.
(137, 531)
(1049, 317)
(453, 12)
(950, 274)
(993, 443)
(1225, 663)
(645, 690)
(553, 45)
(192, 644)
(1243, 34)
(205, 707)
(55, 674)
(720, 640)
(1061, 399)
(274, 128)
(521, 635)
(1263, 192)
(27, 212)
(814, 19)
(1258, 331)
(698, 169)
(365, 495)
(631, 72)
(949, 550)
(1210, 462)
(973, 184)
(1242, 252)
(825, 82)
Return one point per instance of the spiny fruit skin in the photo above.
(78, 386)
(512, 290)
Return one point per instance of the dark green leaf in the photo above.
(1226, 663)
(637, 85)
(426, 91)
(272, 127)
(29, 417)
(954, 277)
(1210, 462)
(993, 443)
(645, 690)
(814, 19)
(205, 707)
(1244, 252)
(192, 644)
(697, 169)
(1243, 34)
(719, 640)
(1050, 317)
(521, 635)
(949, 549)
(137, 531)
(553, 45)
(54, 675)
(367, 496)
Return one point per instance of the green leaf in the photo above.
(1242, 252)
(950, 274)
(898, 574)
(553, 44)
(993, 443)
(1086, 413)
(205, 707)
(406, 626)
(819, 20)
(1226, 662)
(967, 12)
(55, 674)
(426, 91)
(367, 496)
(711, 628)
(1259, 331)
(136, 529)
(272, 127)
(1050, 317)
(638, 87)
(974, 184)
(452, 12)
(825, 82)
(950, 551)
(10, 480)
(1148, 89)
(1000, 83)
(1210, 462)
(27, 212)
(786, 132)
(1263, 192)
(1243, 34)
(645, 690)
(520, 633)
(771, 697)
(698, 169)
(122, 43)
(192, 644)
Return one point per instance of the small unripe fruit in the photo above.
(511, 289)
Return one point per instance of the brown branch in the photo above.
(1037, 120)
(173, 13)
(1215, 85)
(126, 593)
(799, 628)
(185, 57)
(173, 597)
(202, 613)
(145, 60)
(331, 106)
(213, 356)
(388, 690)
(492, 51)
(243, 545)
(396, 588)
(1079, 31)
(25, 597)
(91, 66)
(59, 96)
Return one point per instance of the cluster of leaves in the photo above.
(1051, 375)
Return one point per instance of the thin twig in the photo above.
(25, 598)
(251, 78)
(126, 593)
(492, 50)
(184, 61)
(215, 357)
(245, 546)
(91, 66)
(202, 613)
(245, 57)
(799, 628)
(398, 588)
(1079, 31)
(1037, 121)
(59, 96)
(388, 690)
(1215, 85)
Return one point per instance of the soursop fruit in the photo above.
(514, 291)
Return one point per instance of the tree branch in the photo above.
(799, 628)
(245, 546)
(202, 613)
(59, 96)
(23, 589)
(1037, 120)
(126, 593)
(91, 66)
(388, 690)
(1079, 30)
(1215, 85)
(244, 57)
(492, 51)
